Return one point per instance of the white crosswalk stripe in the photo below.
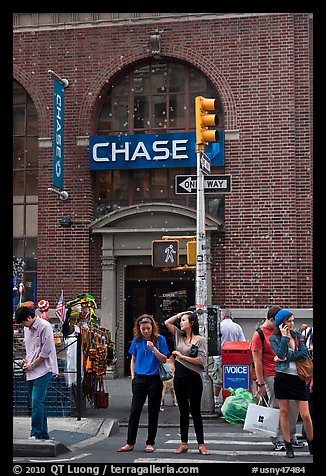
(220, 444)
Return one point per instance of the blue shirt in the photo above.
(146, 362)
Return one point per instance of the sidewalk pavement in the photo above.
(68, 433)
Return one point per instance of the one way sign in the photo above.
(212, 184)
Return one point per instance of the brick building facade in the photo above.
(261, 67)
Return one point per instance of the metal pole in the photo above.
(201, 285)
(207, 403)
(79, 377)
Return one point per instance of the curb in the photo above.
(107, 428)
(25, 447)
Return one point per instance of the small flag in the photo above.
(60, 311)
(21, 292)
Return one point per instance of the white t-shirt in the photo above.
(230, 332)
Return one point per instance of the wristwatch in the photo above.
(260, 384)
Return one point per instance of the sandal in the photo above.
(125, 448)
(202, 450)
(149, 449)
(183, 448)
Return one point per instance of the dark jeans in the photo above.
(188, 392)
(143, 386)
(37, 391)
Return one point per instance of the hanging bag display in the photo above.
(262, 419)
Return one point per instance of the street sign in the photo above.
(205, 164)
(212, 184)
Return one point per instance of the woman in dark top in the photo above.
(188, 384)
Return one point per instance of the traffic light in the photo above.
(165, 253)
(205, 120)
(191, 253)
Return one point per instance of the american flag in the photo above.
(60, 311)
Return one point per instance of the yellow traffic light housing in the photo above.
(191, 253)
(205, 120)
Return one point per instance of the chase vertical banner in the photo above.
(58, 133)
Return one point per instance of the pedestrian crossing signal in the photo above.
(165, 253)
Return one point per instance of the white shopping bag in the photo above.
(264, 420)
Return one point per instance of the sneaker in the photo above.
(32, 438)
(297, 444)
(279, 446)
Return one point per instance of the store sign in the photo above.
(58, 133)
(150, 151)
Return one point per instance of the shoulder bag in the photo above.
(164, 370)
(304, 366)
(193, 352)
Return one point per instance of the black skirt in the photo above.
(289, 387)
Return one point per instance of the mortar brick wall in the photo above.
(262, 67)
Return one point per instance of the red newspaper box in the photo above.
(236, 367)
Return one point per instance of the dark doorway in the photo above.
(161, 299)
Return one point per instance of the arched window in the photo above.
(156, 97)
(25, 194)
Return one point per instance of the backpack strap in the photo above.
(261, 335)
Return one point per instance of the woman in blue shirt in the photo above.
(147, 349)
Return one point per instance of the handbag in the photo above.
(101, 398)
(304, 368)
(165, 371)
(193, 352)
(261, 419)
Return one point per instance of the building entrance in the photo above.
(161, 299)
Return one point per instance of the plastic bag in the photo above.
(235, 406)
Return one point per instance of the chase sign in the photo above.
(145, 151)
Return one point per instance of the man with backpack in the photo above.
(264, 366)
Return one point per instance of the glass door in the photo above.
(161, 299)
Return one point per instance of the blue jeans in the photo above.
(37, 391)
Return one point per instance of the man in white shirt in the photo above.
(39, 364)
(230, 331)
